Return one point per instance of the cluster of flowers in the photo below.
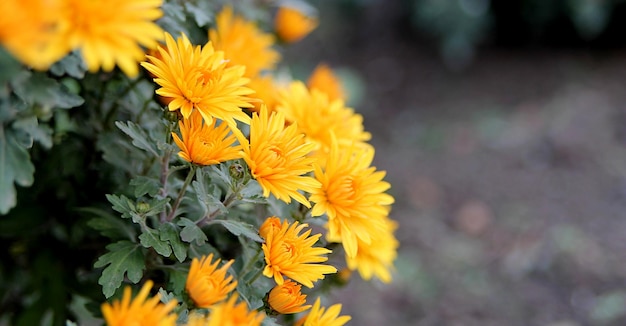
(298, 139)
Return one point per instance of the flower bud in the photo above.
(236, 171)
(287, 298)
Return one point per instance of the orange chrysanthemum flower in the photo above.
(265, 91)
(352, 196)
(35, 31)
(318, 117)
(110, 32)
(291, 254)
(230, 313)
(205, 144)
(207, 284)
(139, 311)
(319, 316)
(277, 157)
(287, 298)
(376, 259)
(292, 25)
(195, 77)
(243, 43)
(324, 80)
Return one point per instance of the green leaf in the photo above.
(39, 132)
(151, 238)
(124, 257)
(240, 228)
(208, 196)
(156, 206)
(139, 136)
(71, 64)
(15, 167)
(39, 88)
(203, 15)
(145, 185)
(122, 204)
(108, 225)
(252, 193)
(170, 232)
(191, 232)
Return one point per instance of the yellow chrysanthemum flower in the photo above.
(291, 254)
(292, 25)
(352, 196)
(319, 316)
(35, 31)
(277, 157)
(195, 77)
(265, 92)
(206, 284)
(139, 311)
(318, 117)
(324, 80)
(205, 144)
(110, 32)
(230, 313)
(287, 298)
(243, 43)
(376, 259)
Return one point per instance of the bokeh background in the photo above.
(502, 126)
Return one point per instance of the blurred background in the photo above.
(502, 126)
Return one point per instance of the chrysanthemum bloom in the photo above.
(197, 77)
(230, 313)
(205, 144)
(277, 157)
(291, 254)
(139, 311)
(110, 32)
(352, 196)
(292, 25)
(207, 284)
(272, 224)
(35, 31)
(376, 258)
(318, 117)
(319, 316)
(287, 298)
(324, 80)
(265, 92)
(243, 43)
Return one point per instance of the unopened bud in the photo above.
(236, 171)
(142, 207)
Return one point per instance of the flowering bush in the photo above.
(150, 145)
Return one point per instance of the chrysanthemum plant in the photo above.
(152, 173)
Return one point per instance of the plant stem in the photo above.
(255, 276)
(165, 165)
(228, 202)
(249, 264)
(181, 193)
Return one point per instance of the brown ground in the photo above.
(509, 176)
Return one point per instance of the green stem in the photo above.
(249, 264)
(181, 193)
(228, 202)
(254, 278)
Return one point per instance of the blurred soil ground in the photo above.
(509, 176)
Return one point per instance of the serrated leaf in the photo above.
(124, 258)
(108, 225)
(151, 238)
(221, 171)
(139, 136)
(122, 204)
(169, 232)
(156, 206)
(200, 15)
(15, 168)
(207, 196)
(41, 133)
(71, 64)
(191, 232)
(253, 193)
(240, 228)
(145, 185)
(41, 89)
